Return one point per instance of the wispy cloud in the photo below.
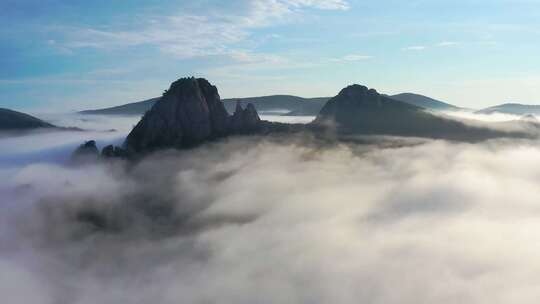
(351, 58)
(320, 4)
(425, 47)
(192, 35)
(447, 43)
(414, 48)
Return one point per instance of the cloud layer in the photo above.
(284, 221)
(189, 35)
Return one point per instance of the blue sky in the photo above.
(70, 55)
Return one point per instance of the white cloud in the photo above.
(320, 4)
(354, 57)
(257, 221)
(447, 43)
(415, 48)
(195, 35)
(351, 58)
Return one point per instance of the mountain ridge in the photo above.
(424, 101)
(14, 120)
(511, 108)
(294, 105)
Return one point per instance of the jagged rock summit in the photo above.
(190, 112)
(244, 120)
(85, 152)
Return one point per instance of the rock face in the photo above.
(189, 113)
(111, 151)
(357, 106)
(359, 110)
(244, 121)
(86, 152)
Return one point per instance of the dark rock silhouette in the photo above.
(13, 120)
(111, 151)
(244, 121)
(189, 113)
(86, 152)
(424, 102)
(359, 110)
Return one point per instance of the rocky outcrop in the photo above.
(189, 113)
(359, 110)
(357, 106)
(244, 121)
(86, 152)
(89, 152)
(111, 151)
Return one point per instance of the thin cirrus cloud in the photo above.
(208, 35)
(423, 47)
(352, 58)
(447, 43)
(415, 48)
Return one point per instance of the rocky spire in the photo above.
(190, 112)
(244, 120)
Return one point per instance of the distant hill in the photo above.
(288, 104)
(512, 108)
(424, 102)
(13, 120)
(135, 108)
(359, 110)
(294, 105)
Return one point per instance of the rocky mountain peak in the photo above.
(358, 94)
(190, 112)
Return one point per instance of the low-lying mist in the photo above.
(288, 220)
(492, 117)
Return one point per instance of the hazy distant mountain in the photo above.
(285, 104)
(294, 105)
(512, 108)
(13, 120)
(424, 102)
(135, 108)
(359, 110)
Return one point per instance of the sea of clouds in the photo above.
(291, 219)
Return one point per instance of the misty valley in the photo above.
(372, 198)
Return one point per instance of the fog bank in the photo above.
(266, 220)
